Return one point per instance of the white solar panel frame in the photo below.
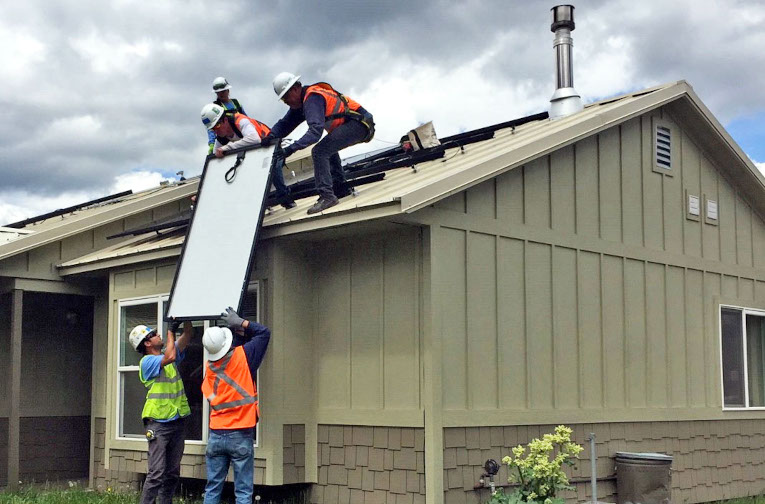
(219, 249)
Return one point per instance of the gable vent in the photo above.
(663, 147)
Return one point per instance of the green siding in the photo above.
(591, 288)
(366, 341)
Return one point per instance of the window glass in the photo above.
(133, 395)
(732, 357)
(755, 359)
(131, 316)
(191, 373)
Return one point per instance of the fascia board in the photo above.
(537, 147)
(76, 226)
(332, 220)
(726, 138)
(114, 262)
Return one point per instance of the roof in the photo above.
(56, 226)
(408, 189)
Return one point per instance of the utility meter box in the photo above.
(643, 478)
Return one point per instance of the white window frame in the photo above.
(744, 312)
(159, 299)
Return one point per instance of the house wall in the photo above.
(5, 343)
(366, 328)
(118, 463)
(575, 288)
(55, 405)
(712, 460)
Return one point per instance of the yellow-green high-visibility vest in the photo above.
(166, 397)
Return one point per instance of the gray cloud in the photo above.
(95, 89)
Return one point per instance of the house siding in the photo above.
(576, 283)
(369, 464)
(712, 460)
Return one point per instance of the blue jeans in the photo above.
(277, 179)
(234, 448)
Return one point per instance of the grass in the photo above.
(76, 496)
(51, 494)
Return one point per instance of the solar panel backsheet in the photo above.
(220, 243)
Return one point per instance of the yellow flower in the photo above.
(506, 459)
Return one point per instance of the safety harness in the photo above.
(348, 113)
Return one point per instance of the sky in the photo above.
(101, 96)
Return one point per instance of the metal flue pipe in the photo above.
(565, 100)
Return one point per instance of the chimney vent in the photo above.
(565, 100)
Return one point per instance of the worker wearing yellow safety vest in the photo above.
(229, 386)
(165, 409)
(322, 108)
(221, 88)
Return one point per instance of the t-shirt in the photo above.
(150, 369)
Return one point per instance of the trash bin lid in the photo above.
(643, 456)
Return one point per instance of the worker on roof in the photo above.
(233, 131)
(322, 107)
(165, 409)
(229, 386)
(221, 88)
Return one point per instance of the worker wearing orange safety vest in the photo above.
(229, 386)
(322, 108)
(234, 131)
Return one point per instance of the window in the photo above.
(132, 393)
(742, 335)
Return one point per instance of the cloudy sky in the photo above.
(103, 96)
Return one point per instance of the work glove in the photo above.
(287, 151)
(267, 140)
(210, 148)
(231, 318)
(175, 325)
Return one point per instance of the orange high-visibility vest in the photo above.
(231, 391)
(337, 105)
(261, 128)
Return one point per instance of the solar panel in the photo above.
(219, 248)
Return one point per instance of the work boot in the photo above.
(323, 203)
(289, 204)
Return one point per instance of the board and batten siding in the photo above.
(364, 306)
(575, 288)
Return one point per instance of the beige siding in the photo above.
(587, 287)
(366, 332)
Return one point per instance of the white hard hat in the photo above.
(220, 84)
(138, 334)
(217, 341)
(283, 82)
(211, 114)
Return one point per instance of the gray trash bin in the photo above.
(643, 478)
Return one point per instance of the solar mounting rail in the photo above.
(62, 211)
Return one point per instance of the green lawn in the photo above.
(76, 496)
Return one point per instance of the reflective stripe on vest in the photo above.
(336, 104)
(166, 397)
(231, 391)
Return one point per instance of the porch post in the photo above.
(15, 387)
